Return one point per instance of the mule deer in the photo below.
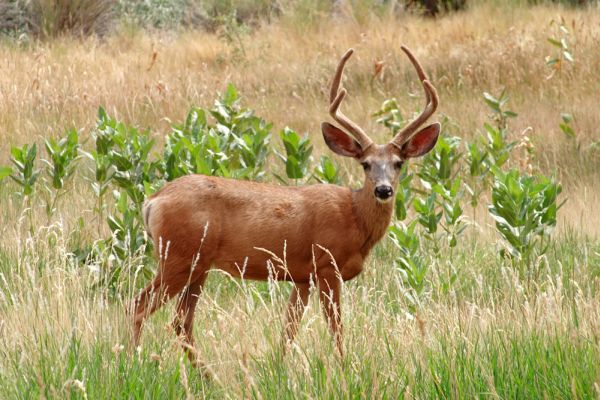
(327, 231)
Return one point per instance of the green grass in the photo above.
(103, 373)
(510, 365)
(501, 363)
(490, 335)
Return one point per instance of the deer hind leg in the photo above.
(158, 292)
(295, 310)
(330, 286)
(184, 317)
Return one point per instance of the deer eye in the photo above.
(398, 164)
(366, 166)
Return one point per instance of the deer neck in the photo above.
(372, 216)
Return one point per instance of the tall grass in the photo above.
(491, 334)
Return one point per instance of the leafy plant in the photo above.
(127, 230)
(183, 153)
(126, 241)
(439, 166)
(490, 151)
(439, 175)
(524, 208)
(233, 33)
(565, 125)
(410, 262)
(135, 172)
(25, 174)
(479, 167)
(497, 146)
(5, 172)
(450, 199)
(103, 168)
(428, 214)
(560, 42)
(298, 154)
(404, 195)
(497, 104)
(63, 155)
(327, 171)
(389, 115)
(237, 145)
(476, 159)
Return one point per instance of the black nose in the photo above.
(383, 192)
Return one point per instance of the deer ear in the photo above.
(340, 142)
(422, 142)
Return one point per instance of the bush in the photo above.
(524, 208)
(52, 18)
(13, 17)
(435, 7)
(159, 14)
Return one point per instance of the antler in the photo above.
(335, 99)
(432, 102)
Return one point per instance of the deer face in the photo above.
(381, 163)
(382, 166)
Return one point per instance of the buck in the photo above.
(326, 231)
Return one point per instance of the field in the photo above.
(475, 318)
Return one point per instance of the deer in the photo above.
(199, 223)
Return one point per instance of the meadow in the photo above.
(486, 286)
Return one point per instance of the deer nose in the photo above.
(383, 192)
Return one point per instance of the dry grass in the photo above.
(46, 304)
(152, 80)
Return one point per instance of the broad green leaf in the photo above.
(5, 171)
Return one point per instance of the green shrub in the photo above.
(63, 156)
(327, 171)
(524, 208)
(297, 156)
(25, 174)
(410, 263)
(236, 145)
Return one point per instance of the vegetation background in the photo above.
(486, 286)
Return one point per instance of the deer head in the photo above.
(381, 163)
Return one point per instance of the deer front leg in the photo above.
(295, 310)
(330, 286)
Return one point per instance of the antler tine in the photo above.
(336, 96)
(431, 98)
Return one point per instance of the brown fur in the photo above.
(242, 217)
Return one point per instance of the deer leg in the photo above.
(157, 293)
(330, 286)
(184, 317)
(295, 310)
